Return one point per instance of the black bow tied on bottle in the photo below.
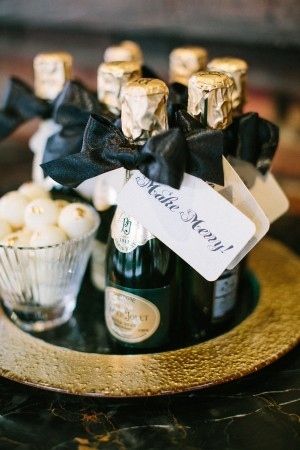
(19, 105)
(71, 110)
(178, 98)
(163, 158)
(105, 148)
(205, 149)
(252, 139)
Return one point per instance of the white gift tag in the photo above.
(264, 189)
(197, 223)
(246, 203)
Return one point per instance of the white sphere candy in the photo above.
(19, 238)
(60, 203)
(40, 212)
(48, 235)
(12, 208)
(5, 228)
(77, 219)
(33, 191)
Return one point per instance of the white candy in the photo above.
(33, 191)
(61, 204)
(17, 239)
(12, 207)
(47, 235)
(5, 228)
(76, 219)
(41, 212)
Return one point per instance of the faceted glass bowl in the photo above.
(39, 285)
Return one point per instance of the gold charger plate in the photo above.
(268, 333)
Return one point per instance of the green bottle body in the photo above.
(140, 293)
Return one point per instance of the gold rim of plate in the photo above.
(269, 332)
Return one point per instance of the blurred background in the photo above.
(264, 32)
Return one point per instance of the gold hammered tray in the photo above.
(269, 332)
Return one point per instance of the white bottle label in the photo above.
(128, 317)
(128, 233)
(225, 291)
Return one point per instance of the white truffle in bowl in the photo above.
(33, 191)
(12, 208)
(77, 219)
(47, 235)
(5, 228)
(40, 212)
(19, 238)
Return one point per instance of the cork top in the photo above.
(228, 64)
(237, 69)
(185, 61)
(124, 51)
(51, 72)
(145, 87)
(210, 99)
(144, 108)
(210, 80)
(112, 76)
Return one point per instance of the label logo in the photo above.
(128, 317)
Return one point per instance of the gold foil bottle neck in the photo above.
(144, 108)
(112, 76)
(51, 72)
(237, 69)
(185, 61)
(210, 99)
(124, 51)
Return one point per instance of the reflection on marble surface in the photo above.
(260, 412)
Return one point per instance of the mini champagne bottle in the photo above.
(112, 76)
(140, 292)
(51, 72)
(236, 69)
(209, 305)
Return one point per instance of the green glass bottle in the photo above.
(112, 76)
(209, 305)
(140, 293)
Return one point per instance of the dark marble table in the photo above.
(259, 412)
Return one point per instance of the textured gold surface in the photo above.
(124, 51)
(237, 69)
(268, 333)
(185, 61)
(144, 108)
(210, 97)
(111, 78)
(51, 72)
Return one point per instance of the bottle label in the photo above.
(225, 294)
(128, 233)
(129, 317)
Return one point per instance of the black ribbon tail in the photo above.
(269, 135)
(19, 105)
(72, 170)
(205, 149)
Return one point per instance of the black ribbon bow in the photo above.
(252, 139)
(205, 149)
(19, 105)
(105, 148)
(163, 158)
(71, 110)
